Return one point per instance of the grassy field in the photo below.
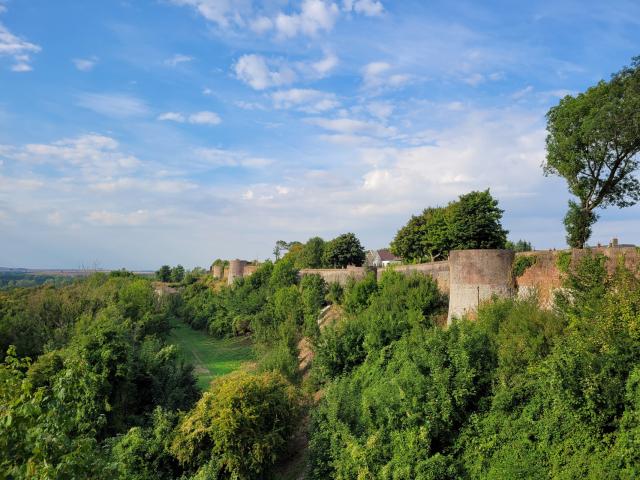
(210, 356)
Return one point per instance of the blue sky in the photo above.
(141, 132)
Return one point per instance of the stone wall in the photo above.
(476, 276)
(336, 275)
(439, 271)
(544, 277)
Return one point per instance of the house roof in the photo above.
(387, 256)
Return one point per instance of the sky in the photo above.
(143, 132)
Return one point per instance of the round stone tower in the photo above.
(236, 270)
(218, 271)
(477, 275)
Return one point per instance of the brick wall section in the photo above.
(439, 271)
(476, 276)
(335, 275)
(544, 278)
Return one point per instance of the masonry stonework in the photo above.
(476, 276)
(236, 270)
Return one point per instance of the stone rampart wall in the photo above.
(439, 271)
(336, 275)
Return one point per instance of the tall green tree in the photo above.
(424, 237)
(473, 221)
(177, 273)
(344, 250)
(311, 255)
(593, 143)
(164, 273)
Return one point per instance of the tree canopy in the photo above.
(473, 221)
(593, 143)
(344, 250)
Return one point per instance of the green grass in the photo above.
(210, 356)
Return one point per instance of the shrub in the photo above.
(240, 427)
(521, 264)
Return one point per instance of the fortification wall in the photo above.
(476, 276)
(544, 277)
(236, 270)
(335, 275)
(439, 271)
(218, 271)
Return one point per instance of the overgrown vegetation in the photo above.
(520, 393)
(521, 264)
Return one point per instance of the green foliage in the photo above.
(335, 293)
(475, 222)
(314, 291)
(578, 223)
(519, 246)
(177, 273)
(344, 250)
(424, 237)
(471, 222)
(519, 393)
(384, 314)
(312, 254)
(357, 294)
(563, 261)
(164, 273)
(593, 142)
(521, 264)
(284, 274)
(239, 428)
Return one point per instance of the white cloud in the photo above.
(326, 65)
(370, 8)
(378, 75)
(380, 110)
(147, 185)
(306, 100)
(221, 12)
(256, 71)
(113, 219)
(95, 155)
(85, 64)
(177, 59)
(349, 126)
(522, 92)
(204, 118)
(18, 49)
(249, 105)
(261, 25)
(198, 118)
(216, 158)
(172, 117)
(117, 105)
(314, 16)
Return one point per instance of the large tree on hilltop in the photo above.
(473, 221)
(344, 250)
(593, 143)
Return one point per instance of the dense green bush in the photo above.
(519, 393)
(239, 428)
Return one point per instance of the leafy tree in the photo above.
(344, 250)
(239, 428)
(164, 274)
(281, 246)
(177, 273)
(311, 255)
(593, 142)
(424, 237)
(519, 246)
(474, 222)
